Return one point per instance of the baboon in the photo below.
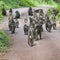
(17, 23)
(26, 19)
(12, 26)
(10, 10)
(25, 29)
(42, 20)
(31, 20)
(30, 36)
(55, 11)
(3, 12)
(30, 12)
(41, 12)
(17, 15)
(10, 16)
(48, 25)
(54, 22)
(39, 30)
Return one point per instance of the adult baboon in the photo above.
(17, 15)
(39, 30)
(30, 36)
(30, 12)
(55, 11)
(48, 25)
(54, 22)
(3, 12)
(12, 26)
(10, 16)
(41, 10)
(42, 20)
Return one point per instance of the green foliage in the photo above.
(2, 5)
(3, 41)
(1, 17)
(27, 3)
(58, 16)
(58, 7)
(51, 2)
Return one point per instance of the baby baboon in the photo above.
(26, 19)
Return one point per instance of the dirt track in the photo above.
(46, 49)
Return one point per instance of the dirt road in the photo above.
(46, 49)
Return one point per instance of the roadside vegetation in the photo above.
(3, 41)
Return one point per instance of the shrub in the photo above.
(3, 41)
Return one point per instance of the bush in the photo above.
(2, 5)
(3, 41)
